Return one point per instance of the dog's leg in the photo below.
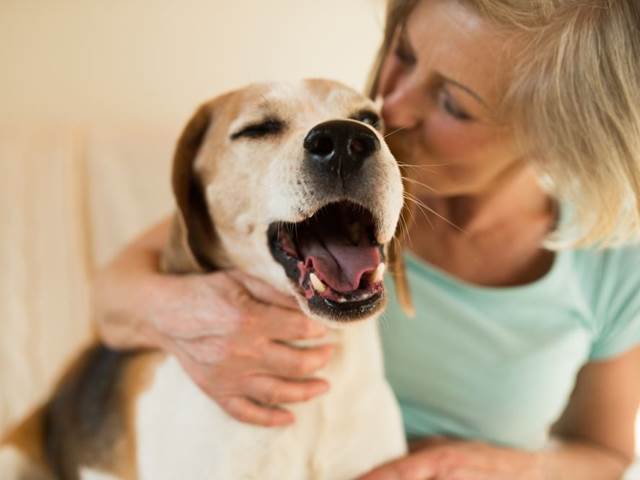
(14, 465)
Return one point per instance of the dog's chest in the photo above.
(181, 433)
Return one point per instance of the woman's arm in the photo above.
(597, 430)
(226, 328)
(123, 287)
(595, 438)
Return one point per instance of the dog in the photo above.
(294, 184)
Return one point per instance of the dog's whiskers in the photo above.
(428, 165)
(416, 182)
(422, 207)
(404, 225)
(394, 132)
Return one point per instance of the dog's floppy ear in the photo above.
(193, 237)
(395, 257)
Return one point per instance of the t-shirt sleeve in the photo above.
(616, 303)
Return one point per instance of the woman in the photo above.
(518, 127)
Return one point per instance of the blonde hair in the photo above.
(574, 103)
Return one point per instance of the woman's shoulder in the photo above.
(610, 279)
(607, 274)
(621, 263)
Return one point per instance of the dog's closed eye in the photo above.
(369, 117)
(264, 128)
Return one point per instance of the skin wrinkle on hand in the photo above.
(206, 350)
(194, 305)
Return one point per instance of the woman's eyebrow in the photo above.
(465, 88)
(403, 38)
(402, 32)
(403, 41)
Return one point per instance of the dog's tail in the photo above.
(22, 455)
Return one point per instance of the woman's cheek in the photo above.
(451, 139)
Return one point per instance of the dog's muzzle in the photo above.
(333, 257)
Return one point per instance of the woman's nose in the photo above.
(403, 107)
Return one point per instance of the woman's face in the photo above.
(441, 84)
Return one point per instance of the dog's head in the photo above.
(292, 183)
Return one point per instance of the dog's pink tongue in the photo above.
(337, 262)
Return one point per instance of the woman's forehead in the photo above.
(452, 39)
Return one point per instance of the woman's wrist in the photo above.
(568, 459)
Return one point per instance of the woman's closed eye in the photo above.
(449, 105)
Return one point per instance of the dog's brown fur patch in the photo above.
(27, 436)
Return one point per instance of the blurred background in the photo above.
(151, 62)
(93, 95)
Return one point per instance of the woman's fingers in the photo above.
(270, 313)
(263, 292)
(411, 467)
(229, 334)
(291, 362)
(268, 390)
(281, 324)
(247, 411)
(232, 399)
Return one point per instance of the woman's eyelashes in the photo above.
(448, 104)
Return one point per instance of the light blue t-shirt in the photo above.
(499, 364)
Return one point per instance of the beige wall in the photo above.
(151, 61)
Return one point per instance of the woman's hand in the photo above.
(226, 328)
(580, 448)
(444, 459)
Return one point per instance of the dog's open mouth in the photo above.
(334, 260)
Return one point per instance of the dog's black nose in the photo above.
(340, 147)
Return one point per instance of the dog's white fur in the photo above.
(336, 436)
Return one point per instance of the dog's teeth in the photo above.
(379, 273)
(341, 299)
(318, 285)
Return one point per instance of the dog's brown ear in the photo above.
(193, 236)
(395, 257)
